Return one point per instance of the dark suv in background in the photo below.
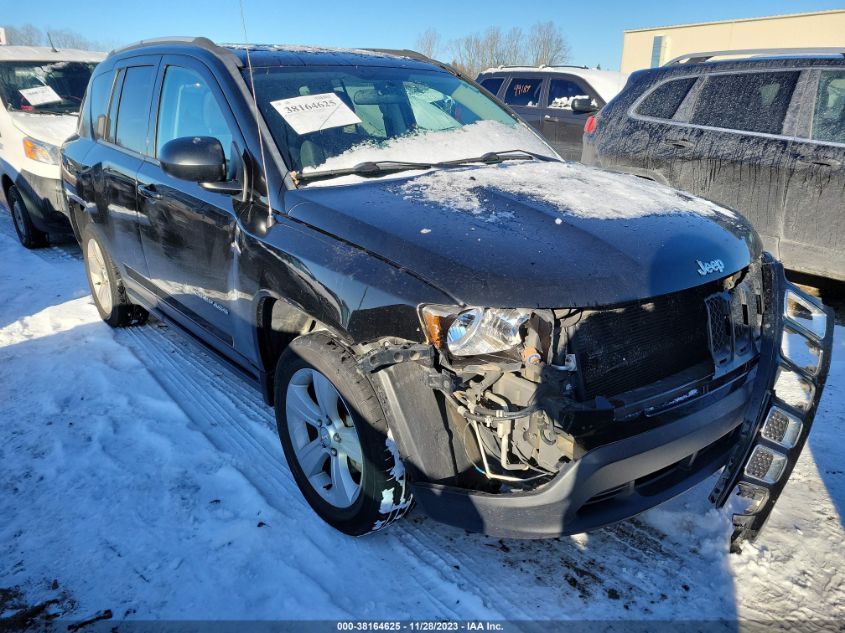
(764, 134)
(438, 306)
(555, 100)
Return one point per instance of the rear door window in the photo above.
(563, 91)
(524, 91)
(492, 84)
(829, 114)
(97, 102)
(752, 102)
(665, 100)
(133, 113)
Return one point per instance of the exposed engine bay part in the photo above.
(551, 385)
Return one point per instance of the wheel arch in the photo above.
(278, 321)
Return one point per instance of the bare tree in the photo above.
(473, 53)
(26, 35)
(29, 35)
(546, 45)
(429, 43)
(64, 38)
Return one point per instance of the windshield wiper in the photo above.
(366, 169)
(491, 158)
(372, 169)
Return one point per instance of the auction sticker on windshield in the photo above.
(40, 95)
(312, 113)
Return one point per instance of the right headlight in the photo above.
(473, 331)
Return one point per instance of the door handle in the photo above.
(680, 143)
(819, 162)
(551, 118)
(148, 191)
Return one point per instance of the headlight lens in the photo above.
(474, 331)
(40, 151)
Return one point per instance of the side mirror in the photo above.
(583, 105)
(195, 158)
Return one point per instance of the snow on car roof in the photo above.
(45, 53)
(607, 83)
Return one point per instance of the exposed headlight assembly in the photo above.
(473, 331)
(40, 151)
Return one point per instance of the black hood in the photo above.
(527, 251)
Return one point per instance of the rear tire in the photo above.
(106, 285)
(28, 235)
(331, 424)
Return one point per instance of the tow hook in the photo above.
(395, 354)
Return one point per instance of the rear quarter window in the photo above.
(492, 84)
(752, 102)
(665, 100)
(829, 114)
(97, 100)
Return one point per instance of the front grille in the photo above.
(624, 348)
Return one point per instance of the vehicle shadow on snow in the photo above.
(825, 440)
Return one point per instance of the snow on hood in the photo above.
(571, 188)
(50, 128)
(443, 145)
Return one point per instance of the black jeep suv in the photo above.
(764, 133)
(438, 307)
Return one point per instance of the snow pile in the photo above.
(468, 141)
(570, 187)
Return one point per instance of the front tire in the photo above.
(28, 235)
(106, 285)
(335, 437)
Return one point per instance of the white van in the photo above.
(41, 91)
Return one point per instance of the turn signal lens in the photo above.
(41, 152)
(765, 464)
(781, 427)
(590, 125)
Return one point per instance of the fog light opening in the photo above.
(747, 498)
(800, 350)
(781, 427)
(765, 464)
(805, 314)
(793, 389)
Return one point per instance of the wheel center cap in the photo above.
(325, 438)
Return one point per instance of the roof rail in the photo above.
(401, 52)
(700, 58)
(204, 42)
(503, 66)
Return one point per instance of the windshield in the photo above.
(333, 118)
(44, 87)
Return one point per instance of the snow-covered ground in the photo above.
(138, 475)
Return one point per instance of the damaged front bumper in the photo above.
(754, 424)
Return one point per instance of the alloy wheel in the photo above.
(324, 438)
(98, 273)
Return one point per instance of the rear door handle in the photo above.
(821, 162)
(551, 118)
(680, 143)
(148, 191)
